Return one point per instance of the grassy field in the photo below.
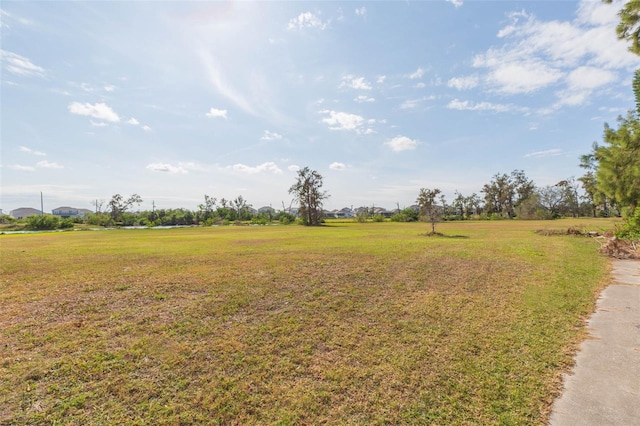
(341, 324)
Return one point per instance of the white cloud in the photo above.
(270, 136)
(463, 83)
(166, 168)
(87, 87)
(268, 167)
(146, 128)
(20, 65)
(306, 20)
(517, 75)
(483, 106)
(21, 168)
(337, 166)
(420, 85)
(401, 143)
(32, 152)
(380, 79)
(358, 83)
(414, 103)
(456, 3)
(133, 121)
(590, 78)
(342, 120)
(547, 153)
(293, 168)
(98, 123)
(565, 54)
(49, 165)
(364, 98)
(417, 74)
(361, 11)
(100, 111)
(217, 113)
(109, 88)
(410, 103)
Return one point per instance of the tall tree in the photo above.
(308, 192)
(618, 171)
(506, 192)
(119, 205)
(429, 207)
(629, 26)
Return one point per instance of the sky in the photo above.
(175, 100)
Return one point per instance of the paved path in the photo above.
(604, 388)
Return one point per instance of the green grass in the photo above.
(347, 323)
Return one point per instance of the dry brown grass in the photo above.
(353, 323)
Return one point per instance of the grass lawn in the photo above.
(341, 324)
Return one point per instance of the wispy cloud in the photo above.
(268, 167)
(306, 20)
(133, 121)
(361, 11)
(270, 136)
(293, 168)
(166, 168)
(417, 74)
(463, 83)
(217, 113)
(49, 165)
(99, 110)
(574, 56)
(364, 98)
(401, 143)
(21, 168)
(456, 3)
(20, 65)
(358, 83)
(547, 153)
(483, 106)
(415, 103)
(32, 151)
(337, 166)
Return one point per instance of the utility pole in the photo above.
(41, 205)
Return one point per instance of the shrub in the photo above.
(630, 230)
(378, 218)
(43, 222)
(66, 223)
(361, 217)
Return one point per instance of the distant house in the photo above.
(24, 212)
(70, 212)
(338, 214)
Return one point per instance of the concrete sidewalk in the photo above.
(604, 387)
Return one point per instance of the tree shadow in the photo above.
(441, 235)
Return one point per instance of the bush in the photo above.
(361, 217)
(378, 218)
(630, 230)
(259, 220)
(66, 223)
(43, 222)
(5, 218)
(406, 215)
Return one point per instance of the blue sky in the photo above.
(174, 100)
